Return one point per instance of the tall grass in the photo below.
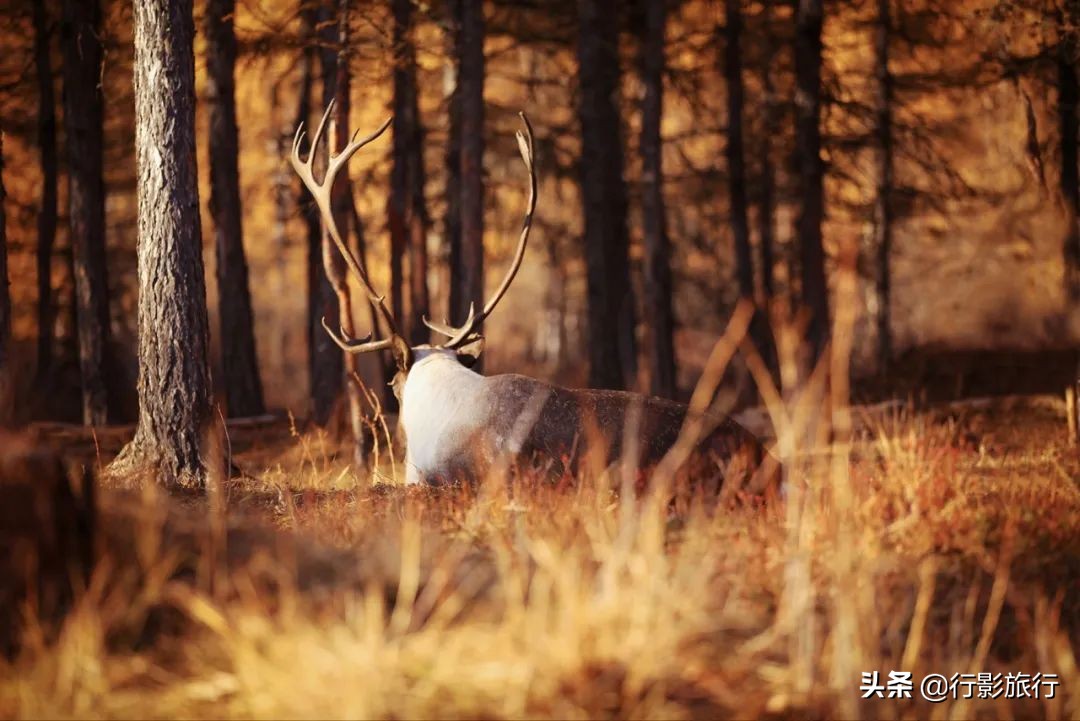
(316, 594)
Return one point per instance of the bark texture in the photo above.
(174, 374)
(740, 225)
(766, 199)
(738, 202)
(457, 306)
(408, 211)
(1069, 127)
(318, 287)
(815, 292)
(612, 352)
(471, 87)
(7, 385)
(344, 214)
(883, 207)
(327, 364)
(46, 220)
(83, 118)
(239, 361)
(658, 282)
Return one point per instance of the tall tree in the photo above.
(1068, 56)
(327, 363)
(7, 385)
(612, 347)
(883, 207)
(408, 211)
(240, 366)
(344, 216)
(174, 372)
(766, 201)
(471, 90)
(736, 162)
(809, 18)
(46, 227)
(83, 125)
(658, 283)
(456, 305)
(322, 355)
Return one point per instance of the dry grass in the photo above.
(943, 545)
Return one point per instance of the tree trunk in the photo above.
(174, 374)
(7, 384)
(83, 118)
(344, 213)
(408, 211)
(46, 220)
(471, 89)
(457, 306)
(658, 284)
(327, 365)
(1068, 57)
(883, 209)
(736, 162)
(815, 292)
(1069, 126)
(612, 352)
(317, 343)
(279, 147)
(240, 364)
(767, 202)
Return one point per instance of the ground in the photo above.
(937, 542)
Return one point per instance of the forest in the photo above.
(764, 388)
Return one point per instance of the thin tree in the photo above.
(612, 347)
(736, 162)
(471, 90)
(658, 283)
(278, 147)
(328, 367)
(46, 220)
(809, 18)
(762, 329)
(457, 307)
(7, 385)
(766, 201)
(1068, 56)
(407, 209)
(321, 352)
(344, 214)
(174, 372)
(240, 366)
(83, 125)
(883, 206)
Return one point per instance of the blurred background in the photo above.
(946, 179)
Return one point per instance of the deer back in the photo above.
(457, 424)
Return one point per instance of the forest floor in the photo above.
(939, 543)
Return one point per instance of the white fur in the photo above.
(442, 409)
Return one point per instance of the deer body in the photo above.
(457, 423)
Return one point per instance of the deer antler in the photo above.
(320, 191)
(469, 331)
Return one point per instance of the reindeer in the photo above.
(457, 423)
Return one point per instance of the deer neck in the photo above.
(442, 407)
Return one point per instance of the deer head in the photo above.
(465, 342)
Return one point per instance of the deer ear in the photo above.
(469, 353)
